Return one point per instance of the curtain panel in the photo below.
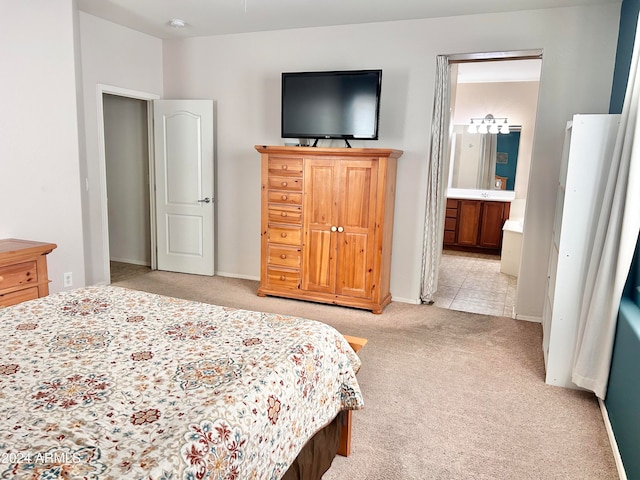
(436, 181)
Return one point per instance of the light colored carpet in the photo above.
(448, 395)
(121, 271)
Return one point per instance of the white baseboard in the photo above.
(528, 318)
(131, 261)
(412, 301)
(235, 275)
(612, 440)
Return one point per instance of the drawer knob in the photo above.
(283, 234)
(284, 184)
(283, 256)
(284, 214)
(283, 278)
(284, 167)
(284, 197)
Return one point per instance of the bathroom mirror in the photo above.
(483, 161)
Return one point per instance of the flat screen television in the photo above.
(339, 104)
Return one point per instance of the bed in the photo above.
(106, 382)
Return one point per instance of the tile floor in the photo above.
(471, 282)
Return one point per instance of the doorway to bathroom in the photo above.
(492, 97)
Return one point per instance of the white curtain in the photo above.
(613, 247)
(436, 183)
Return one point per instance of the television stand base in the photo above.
(348, 145)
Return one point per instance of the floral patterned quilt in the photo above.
(110, 383)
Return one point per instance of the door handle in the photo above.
(205, 200)
(340, 229)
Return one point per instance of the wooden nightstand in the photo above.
(23, 270)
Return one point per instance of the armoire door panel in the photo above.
(318, 249)
(319, 260)
(357, 214)
(356, 195)
(319, 201)
(354, 277)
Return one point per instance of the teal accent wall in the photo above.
(508, 144)
(626, 37)
(623, 393)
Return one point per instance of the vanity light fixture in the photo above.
(504, 128)
(473, 128)
(489, 124)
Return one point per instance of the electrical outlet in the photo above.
(68, 279)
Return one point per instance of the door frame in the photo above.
(102, 171)
(492, 56)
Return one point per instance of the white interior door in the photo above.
(183, 139)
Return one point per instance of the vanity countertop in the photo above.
(470, 194)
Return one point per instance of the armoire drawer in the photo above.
(285, 235)
(285, 166)
(292, 198)
(285, 183)
(284, 256)
(283, 278)
(285, 214)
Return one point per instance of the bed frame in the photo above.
(345, 437)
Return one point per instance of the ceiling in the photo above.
(219, 17)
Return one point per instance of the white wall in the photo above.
(127, 159)
(39, 167)
(242, 74)
(119, 57)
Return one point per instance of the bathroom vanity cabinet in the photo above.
(475, 225)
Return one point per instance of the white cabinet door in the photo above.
(183, 140)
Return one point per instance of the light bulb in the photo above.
(493, 128)
(504, 128)
(472, 128)
(483, 128)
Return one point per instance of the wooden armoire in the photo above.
(327, 224)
